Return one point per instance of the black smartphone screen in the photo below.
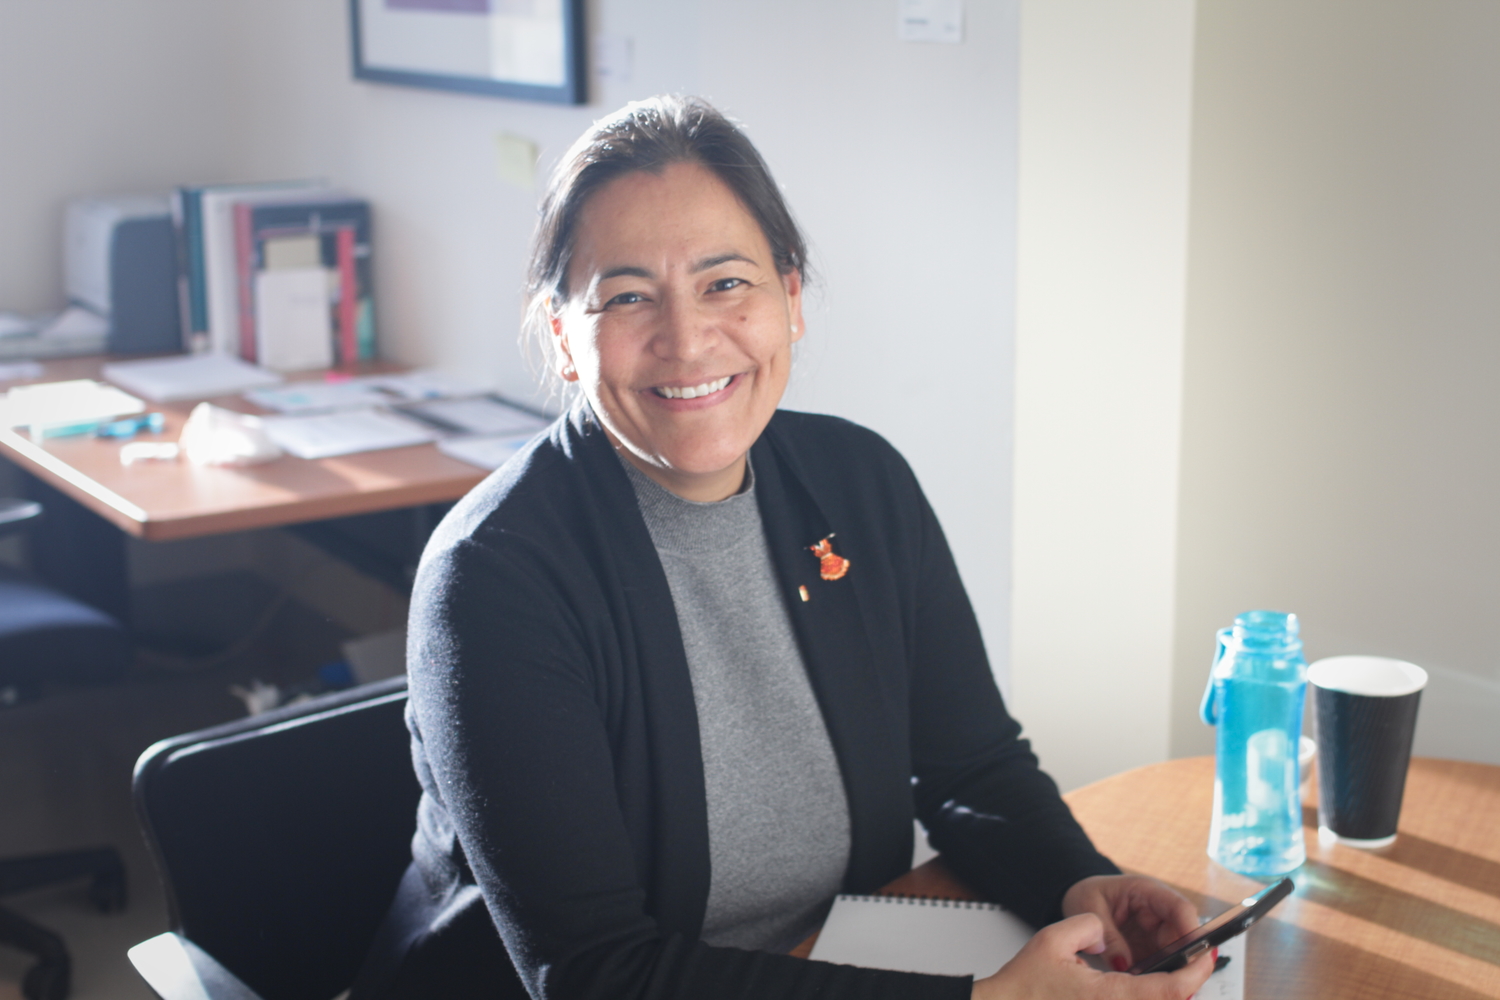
(1233, 921)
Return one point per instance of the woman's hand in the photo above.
(1049, 967)
(1140, 915)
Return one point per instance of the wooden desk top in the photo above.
(1419, 919)
(161, 501)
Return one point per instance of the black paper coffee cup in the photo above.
(1367, 715)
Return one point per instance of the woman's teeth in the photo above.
(693, 391)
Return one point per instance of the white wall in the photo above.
(1105, 113)
(899, 158)
(1341, 423)
(98, 98)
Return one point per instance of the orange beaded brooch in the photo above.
(831, 566)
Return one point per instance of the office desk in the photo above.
(162, 501)
(1420, 919)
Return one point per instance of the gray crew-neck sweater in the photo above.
(778, 821)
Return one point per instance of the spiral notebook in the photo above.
(946, 937)
(949, 937)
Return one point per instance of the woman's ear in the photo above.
(562, 356)
(791, 282)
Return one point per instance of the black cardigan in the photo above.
(556, 738)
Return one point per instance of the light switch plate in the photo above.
(930, 21)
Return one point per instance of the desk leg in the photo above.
(78, 552)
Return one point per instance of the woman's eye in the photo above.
(625, 299)
(725, 284)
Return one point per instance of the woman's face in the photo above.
(678, 327)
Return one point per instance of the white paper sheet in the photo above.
(1229, 982)
(358, 393)
(61, 404)
(189, 376)
(424, 383)
(14, 371)
(479, 415)
(319, 397)
(487, 452)
(941, 937)
(344, 433)
(16, 325)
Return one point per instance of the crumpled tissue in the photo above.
(216, 436)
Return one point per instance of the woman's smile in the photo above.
(699, 391)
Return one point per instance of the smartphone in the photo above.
(1233, 921)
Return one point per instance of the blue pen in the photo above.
(128, 427)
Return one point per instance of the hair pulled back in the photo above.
(648, 135)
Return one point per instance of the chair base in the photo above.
(50, 978)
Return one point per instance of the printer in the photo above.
(120, 261)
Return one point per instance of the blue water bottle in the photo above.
(1254, 697)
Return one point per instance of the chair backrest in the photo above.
(281, 838)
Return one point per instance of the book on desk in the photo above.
(277, 273)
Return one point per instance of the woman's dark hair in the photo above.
(649, 135)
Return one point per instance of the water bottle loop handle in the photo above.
(1208, 709)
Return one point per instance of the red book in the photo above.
(348, 302)
(244, 262)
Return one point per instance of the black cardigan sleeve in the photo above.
(510, 708)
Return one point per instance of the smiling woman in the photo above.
(677, 326)
(689, 665)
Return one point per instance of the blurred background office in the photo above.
(1177, 308)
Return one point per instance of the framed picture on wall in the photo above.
(527, 49)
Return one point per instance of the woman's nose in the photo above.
(685, 331)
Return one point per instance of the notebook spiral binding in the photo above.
(935, 901)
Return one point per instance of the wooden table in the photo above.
(161, 501)
(1419, 919)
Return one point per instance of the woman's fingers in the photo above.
(1066, 938)
(1178, 917)
(1190, 978)
(1048, 966)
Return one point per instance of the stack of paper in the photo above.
(344, 433)
(188, 376)
(51, 406)
(367, 390)
(477, 415)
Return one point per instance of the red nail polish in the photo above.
(1119, 963)
(1216, 954)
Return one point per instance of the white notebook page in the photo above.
(940, 936)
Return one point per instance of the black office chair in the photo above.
(47, 636)
(280, 840)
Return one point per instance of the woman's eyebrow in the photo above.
(626, 271)
(706, 264)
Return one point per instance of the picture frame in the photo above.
(531, 50)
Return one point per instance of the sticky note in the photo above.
(515, 160)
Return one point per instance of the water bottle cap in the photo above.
(1267, 631)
